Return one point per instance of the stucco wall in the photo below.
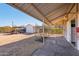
(77, 33)
(68, 31)
(30, 29)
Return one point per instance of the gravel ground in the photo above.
(7, 39)
(22, 47)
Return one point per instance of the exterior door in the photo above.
(73, 32)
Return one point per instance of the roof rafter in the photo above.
(65, 13)
(59, 17)
(71, 8)
(40, 13)
(25, 9)
(54, 10)
(70, 11)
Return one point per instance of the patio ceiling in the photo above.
(45, 11)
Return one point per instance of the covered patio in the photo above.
(65, 14)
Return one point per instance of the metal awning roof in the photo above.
(46, 11)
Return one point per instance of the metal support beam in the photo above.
(58, 17)
(23, 8)
(54, 10)
(43, 31)
(46, 19)
(25, 11)
(43, 21)
(76, 15)
(65, 13)
(77, 11)
(27, 7)
(67, 17)
(71, 8)
(69, 12)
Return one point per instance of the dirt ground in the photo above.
(19, 44)
(6, 39)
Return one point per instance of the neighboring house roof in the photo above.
(30, 25)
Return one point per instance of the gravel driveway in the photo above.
(21, 47)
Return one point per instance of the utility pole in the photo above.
(12, 23)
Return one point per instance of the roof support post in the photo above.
(67, 17)
(43, 31)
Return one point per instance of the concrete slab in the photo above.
(56, 46)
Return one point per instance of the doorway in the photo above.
(73, 32)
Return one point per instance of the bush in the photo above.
(6, 29)
(57, 31)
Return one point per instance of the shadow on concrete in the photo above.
(56, 46)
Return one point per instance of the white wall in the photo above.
(29, 29)
(68, 31)
(77, 34)
(77, 44)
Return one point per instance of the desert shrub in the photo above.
(6, 29)
(56, 30)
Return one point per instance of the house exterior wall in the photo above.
(30, 29)
(77, 33)
(68, 31)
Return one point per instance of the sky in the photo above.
(9, 14)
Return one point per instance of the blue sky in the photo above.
(9, 14)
